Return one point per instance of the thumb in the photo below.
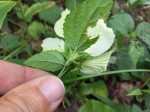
(43, 94)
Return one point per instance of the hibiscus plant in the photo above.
(83, 42)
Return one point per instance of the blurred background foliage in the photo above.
(30, 21)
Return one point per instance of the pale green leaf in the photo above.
(48, 61)
(77, 21)
(105, 40)
(135, 92)
(5, 7)
(95, 106)
(122, 22)
(36, 8)
(35, 29)
(53, 44)
(96, 64)
(143, 30)
(59, 24)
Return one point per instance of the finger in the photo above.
(43, 94)
(12, 75)
(39, 95)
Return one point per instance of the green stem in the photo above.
(69, 61)
(13, 53)
(63, 71)
(145, 83)
(14, 22)
(75, 3)
(24, 25)
(21, 9)
(104, 74)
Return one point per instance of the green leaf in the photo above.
(139, 2)
(136, 109)
(135, 92)
(5, 7)
(147, 100)
(36, 8)
(132, 2)
(146, 90)
(118, 107)
(49, 61)
(95, 106)
(5, 26)
(19, 11)
(87, 44)
(50, 15)
(77, 21)
(98, 88)
(35, 29)
(124, 61)
(136, 51)
(122, 22)
(148, 110)
(9, 42)
(96, 64)
(143, 30)
(70, 4)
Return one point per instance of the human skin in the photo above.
(25, 89)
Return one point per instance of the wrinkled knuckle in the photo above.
(17, 103)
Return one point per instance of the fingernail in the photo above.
(52, 88)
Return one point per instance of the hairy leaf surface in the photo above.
(49, 61)
(78, 20)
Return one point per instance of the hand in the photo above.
(26, 89)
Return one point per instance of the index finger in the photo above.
(12, 75)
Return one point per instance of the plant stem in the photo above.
(63, 71)
(75, 3)
(69, 61)
(13, 53)
(105, 73)
(21, 9)
(24, 25)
